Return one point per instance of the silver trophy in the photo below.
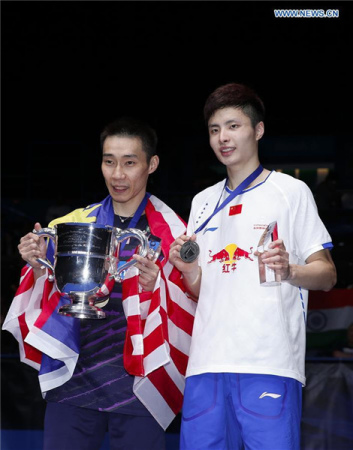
(86, 257)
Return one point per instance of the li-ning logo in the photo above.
(267, 394)
(210, 229)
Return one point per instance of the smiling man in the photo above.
(126, 168)
(246, 367)
(98, 375)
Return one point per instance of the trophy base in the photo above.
(268, 277)
(81, 308)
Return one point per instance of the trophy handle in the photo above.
(122, 235)
(50, 233)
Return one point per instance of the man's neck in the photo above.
(237, 174)
(128, 208)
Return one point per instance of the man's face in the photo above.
(233, 138)
(125, 169)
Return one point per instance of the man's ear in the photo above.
(154, 163)
(259, 130)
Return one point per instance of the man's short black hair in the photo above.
(234, 95)
(134, 128)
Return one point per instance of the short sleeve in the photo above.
(310, 233)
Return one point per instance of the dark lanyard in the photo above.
(138, 213)
(239, 190)
(136, 217)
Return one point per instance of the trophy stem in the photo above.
(81, 307)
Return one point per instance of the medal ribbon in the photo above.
(136, 217)
(239, 190)
(139, 211)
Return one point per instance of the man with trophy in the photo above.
(102, 313)
(254, 247)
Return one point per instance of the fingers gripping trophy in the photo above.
(86, 258)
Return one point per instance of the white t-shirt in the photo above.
(240, 325)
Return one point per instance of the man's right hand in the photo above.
(191, 271)
(31, 247)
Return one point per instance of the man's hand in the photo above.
(174, 254)
(31, 247)
(318, 272)
(276, 258)
(148, 272)
(191, 271)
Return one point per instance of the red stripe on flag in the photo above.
(130, 286)
(26, 269)
(167, 388)
(159, 227)
(180, 317)
(48, 306)
(134, 324)
(153, 340)
(155, 301)
(175, 278)
(336, 298)
(164, 318)
(31, 353)
(133, 363)
(179, 358)
(27, 281)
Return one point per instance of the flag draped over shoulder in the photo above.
(159, 323)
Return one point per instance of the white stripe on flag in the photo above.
(132, 306)
(175, 375)
(146, 392)
(137, 344)
(176, 226)
(35, 310)
(54, 379)
(144, 308)
(178, 338)
(162, 294)
(153, 321)
(157, 358)
(181, 299)
(167, 269)
(52, 347)
(26, 360)
(22, 302)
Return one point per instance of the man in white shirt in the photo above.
(246, 366)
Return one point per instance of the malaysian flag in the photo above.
(159, 323)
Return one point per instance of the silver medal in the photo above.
(189, 251)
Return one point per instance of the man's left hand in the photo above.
(148, 272)
(276, 258)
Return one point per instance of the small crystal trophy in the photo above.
(268, 277)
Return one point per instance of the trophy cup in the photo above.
(268, 277)
(86, 257)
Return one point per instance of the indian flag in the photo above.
(329, 316)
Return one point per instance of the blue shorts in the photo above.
(234, 411)
(68, 427)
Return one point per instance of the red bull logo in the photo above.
(229, 256)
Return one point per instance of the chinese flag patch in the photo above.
(233, 210)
